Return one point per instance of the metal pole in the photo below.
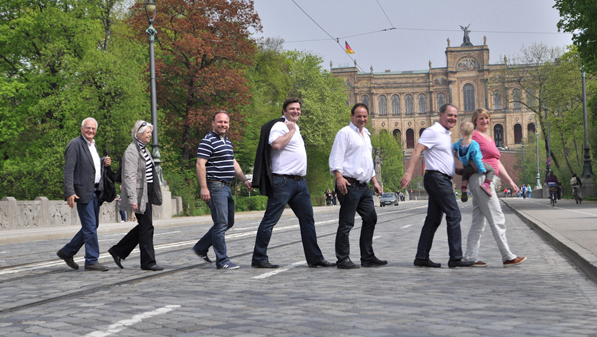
(587, 169)
(548, 154)
(538, 182)
(154, 115)
(523, 170)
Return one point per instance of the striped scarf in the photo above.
(148, 163)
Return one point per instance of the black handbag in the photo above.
(109, 191)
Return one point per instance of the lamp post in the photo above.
(538, 182)
(548, 155)
(150, 10)
(523, 171)
(587, 169)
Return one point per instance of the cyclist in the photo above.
(576, 185)
(552, 183)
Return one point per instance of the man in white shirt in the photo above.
(436, 145)
(288, 167)
(352, 165)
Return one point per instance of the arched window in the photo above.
(397, 135)
(422, 103)
(410, 139)
(469, 97)
(408, 102)
(517, 134)
(531, 101)
(395, 105)
(421, 131)
(497, 100)
(498, 135)
(441, 100)
(531, 128)
(365, 100)
(517, 99)
(382, 105)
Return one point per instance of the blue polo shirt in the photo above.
(220, 157)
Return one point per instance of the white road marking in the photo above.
(121, 325)
(406, 226)
(376, 237)
(279, 270)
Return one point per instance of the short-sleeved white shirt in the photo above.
(292, 158)
(438, 155)
(351, 154)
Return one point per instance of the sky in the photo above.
(422, 28)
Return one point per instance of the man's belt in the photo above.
(438, 172)
(227, 183)
(289, 176)
(353, 180)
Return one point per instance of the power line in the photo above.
(384, 13)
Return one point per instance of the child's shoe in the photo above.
(486, 187)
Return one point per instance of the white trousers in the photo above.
(486, 208)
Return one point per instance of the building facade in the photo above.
(407, 102)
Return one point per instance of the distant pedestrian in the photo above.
(436, 144)
(524, 191)
(83, 186)
(334, 196)
(216, 168)
(352, 165)
(140, 190)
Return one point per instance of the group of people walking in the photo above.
(279, 173)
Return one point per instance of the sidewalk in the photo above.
(571, 228)
(67, 232)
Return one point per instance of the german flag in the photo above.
(348, 49)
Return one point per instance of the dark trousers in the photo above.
(358, 199)
(141, 235)
(441, 201)
(296, 195)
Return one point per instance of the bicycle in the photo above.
(552, 193)
(575, 190)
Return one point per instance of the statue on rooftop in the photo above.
(466, 40)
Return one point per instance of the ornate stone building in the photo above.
(406, 102)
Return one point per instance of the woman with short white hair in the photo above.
(140, 189)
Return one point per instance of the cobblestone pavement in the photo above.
(545, 296)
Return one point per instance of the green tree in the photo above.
(390, 153)
(579, 17)
(53, 75)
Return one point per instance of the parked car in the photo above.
(388, 199)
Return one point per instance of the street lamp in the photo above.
(548, 155)
(587, 169)
(523, 171)
(538, 182)
(150, 10)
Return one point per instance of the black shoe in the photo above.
(464, 197)
(460, 263)
(322, 263)
(116, 258)
(347, 264)
(204, 257)
(68, 259)
(426, 263)
(154, 267)
(373, 262)
(264, 265)
(96, 267)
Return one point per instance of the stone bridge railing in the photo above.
(42, 212)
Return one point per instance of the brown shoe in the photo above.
(517, 260)
(68, 259)
(480, 264)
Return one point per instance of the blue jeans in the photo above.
(358, 199)
(296, 195)
(221, 206)
(87, 235)
(441, 200)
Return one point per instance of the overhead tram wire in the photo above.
(337, 39)
(384, 13)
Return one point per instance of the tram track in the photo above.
(168, 249)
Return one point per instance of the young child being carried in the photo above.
(469, 153)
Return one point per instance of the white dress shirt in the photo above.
(438, 155)
(96, 160)
(352, 154)
(292, 158)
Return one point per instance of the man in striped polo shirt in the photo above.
(216, 168)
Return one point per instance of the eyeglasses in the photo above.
(142, 125)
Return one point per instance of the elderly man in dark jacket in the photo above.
(83, 186)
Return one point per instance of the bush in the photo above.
(253, 203)
(318, 200)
